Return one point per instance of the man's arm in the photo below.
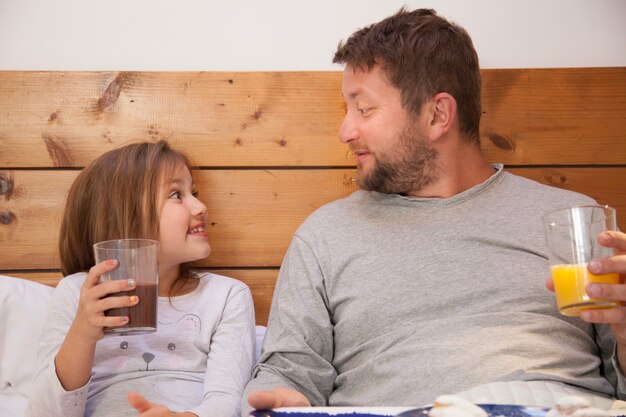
(295, 366)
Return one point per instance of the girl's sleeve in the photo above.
(231, 357)
(49, 398)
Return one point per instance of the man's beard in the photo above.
(408, 167)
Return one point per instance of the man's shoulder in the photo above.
(526, 187)
(335, 210)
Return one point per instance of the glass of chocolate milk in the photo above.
(137, 261)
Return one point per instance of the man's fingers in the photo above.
(278, 397)
(613, 239)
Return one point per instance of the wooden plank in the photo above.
(260, 281)
(555, 116)
(64, 119)
(252, 213)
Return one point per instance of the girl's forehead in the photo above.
(178, 172)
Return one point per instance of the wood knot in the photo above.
(282, 142)
(257, 114)
(348, 180)
(6, 185)
(112, 93)
(58, 151)
(238, 142)
(53, 116)
(7, 217)
(555, 178)
(502, 142)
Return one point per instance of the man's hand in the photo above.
(616, 317)
(277, 397)
(146, 409)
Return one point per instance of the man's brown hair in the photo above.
(421, 54)
(118, 196)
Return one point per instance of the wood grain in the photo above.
(286, 119)
(252, 213)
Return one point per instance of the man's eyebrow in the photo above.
(354, 94)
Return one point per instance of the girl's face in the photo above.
(182, 222)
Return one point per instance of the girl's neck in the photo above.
(169, 283)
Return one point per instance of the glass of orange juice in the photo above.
(571, 238)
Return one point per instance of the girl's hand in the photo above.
(146, 409)
(90, 320)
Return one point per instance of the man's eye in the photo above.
(175, 195)
(195, 194)
(363, 111)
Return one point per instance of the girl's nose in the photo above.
(199, 208)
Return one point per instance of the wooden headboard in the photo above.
(266, 144)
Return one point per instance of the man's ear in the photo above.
(442, 115)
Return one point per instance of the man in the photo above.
(429, 280)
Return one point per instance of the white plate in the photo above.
(331, 411)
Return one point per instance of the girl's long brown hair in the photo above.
(116, 197)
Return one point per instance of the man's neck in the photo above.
(459, 170)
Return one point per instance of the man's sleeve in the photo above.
(298, 347)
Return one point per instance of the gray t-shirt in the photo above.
(199, 359)
(390, 300)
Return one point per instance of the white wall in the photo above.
(248, 35)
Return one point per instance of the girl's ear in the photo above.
(442, 115)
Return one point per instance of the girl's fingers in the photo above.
(93, 278)
(138, 402)
(109, 321)
(109, 303)
(112, 287)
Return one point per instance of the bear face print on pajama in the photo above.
(173, 347)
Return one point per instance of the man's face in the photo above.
(392, 154)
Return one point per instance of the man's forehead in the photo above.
(358, 81)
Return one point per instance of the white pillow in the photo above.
(23, 306)
(260, 335)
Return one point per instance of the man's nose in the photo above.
(348, 131)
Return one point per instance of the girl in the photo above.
(199, 360)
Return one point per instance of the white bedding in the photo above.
(23, 306)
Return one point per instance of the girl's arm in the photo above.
(63, 391)
(231, 357)
(74, 361)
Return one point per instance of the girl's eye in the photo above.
(175, 195)
(195, 194)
